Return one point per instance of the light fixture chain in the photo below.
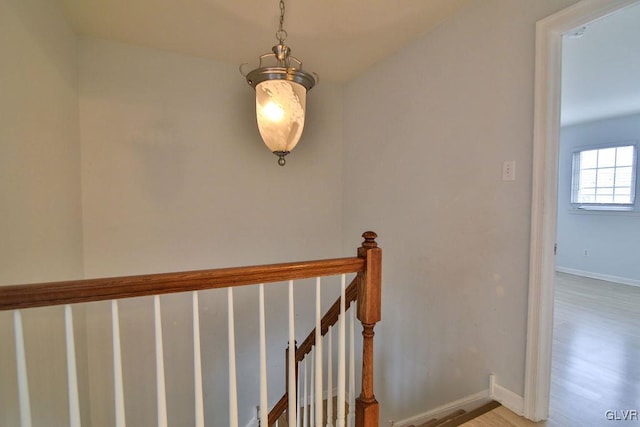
(281, 34)
(281, 91)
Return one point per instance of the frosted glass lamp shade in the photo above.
(280, 106)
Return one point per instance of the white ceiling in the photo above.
(601, 69)
(337, 39)
(340, 39)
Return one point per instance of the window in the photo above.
(604, 178)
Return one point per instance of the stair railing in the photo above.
(328, 321)
(365, 289)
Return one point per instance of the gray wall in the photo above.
(40, 212)
(426, 132)
(609, 238)
(175, 177)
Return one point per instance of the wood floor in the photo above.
(500, 417)
(596, 353)
(595, 378)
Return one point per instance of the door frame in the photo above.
(546, 132)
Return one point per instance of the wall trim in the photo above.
(507, 398)
(504, 396)
(598, 276)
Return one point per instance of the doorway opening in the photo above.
(549, 34)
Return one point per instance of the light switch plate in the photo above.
(509, 170)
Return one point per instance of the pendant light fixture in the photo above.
(281, 94)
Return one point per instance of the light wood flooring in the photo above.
(500, 417)
(596, 353)
(596, 358)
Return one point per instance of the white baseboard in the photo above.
(506, 397)
(598, 276)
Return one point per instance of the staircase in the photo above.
(459, 417)
(282, 421)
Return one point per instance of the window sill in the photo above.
(605, 210)
(614, 208)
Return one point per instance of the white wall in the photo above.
(40, 158)
(175, 177)
(426, 132)
(610, 238)
(40, 213)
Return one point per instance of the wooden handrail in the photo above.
(278, 409)
(365, 289)
(77, 291)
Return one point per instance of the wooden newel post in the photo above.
(369, 313)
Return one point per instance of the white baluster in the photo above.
(311, 402)
(197, 362)
(305, 407)
(318, 353)
(329, 378)
(352, 369)
(72, 376)
(23, 380)
(264, 410)
(117, 366)
(291, 387)
(299, 402)
(233, 394)
(340, 421)
(161, 397)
